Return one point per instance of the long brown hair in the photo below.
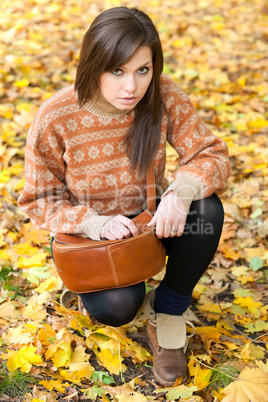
(110, 42)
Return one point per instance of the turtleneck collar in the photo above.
(99, 106)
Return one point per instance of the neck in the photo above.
(99, 106)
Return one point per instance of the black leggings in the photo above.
(188, 257)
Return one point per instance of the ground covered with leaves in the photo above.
(217, 52)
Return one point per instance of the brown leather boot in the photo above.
(169, 364)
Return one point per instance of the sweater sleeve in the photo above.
(45, 197)
(204, 165)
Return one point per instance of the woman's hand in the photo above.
(118, 227)
(170, 216)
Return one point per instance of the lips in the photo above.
(128, 100)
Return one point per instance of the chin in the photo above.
(126, 107)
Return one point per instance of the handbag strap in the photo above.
(151, 201)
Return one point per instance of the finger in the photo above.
(152, 222)
(121, 231)
(180, 230)
(117, 226)
(105, 234)
(181, 227)
(159, 228)
(166, 232)
(114, 234)
(174, 229)
(131, 227)
(115, 230)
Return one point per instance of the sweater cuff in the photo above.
(187, 188)
(92, 226)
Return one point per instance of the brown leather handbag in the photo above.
(86, 265)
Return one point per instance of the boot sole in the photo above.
(167, 383)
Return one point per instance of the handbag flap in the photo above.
(140, 221)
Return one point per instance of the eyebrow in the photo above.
(148, 62)
(142, 65)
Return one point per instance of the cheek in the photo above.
(107, 86)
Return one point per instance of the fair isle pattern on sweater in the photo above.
(77, 170)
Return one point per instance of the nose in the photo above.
(130, 84)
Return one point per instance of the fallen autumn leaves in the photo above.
(217, 52)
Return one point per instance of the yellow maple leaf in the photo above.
(54, 384)
(118, 337)
(21, 335)
(79, 354)
(262, 366)
(229, 252)
(251, 385)
(25, 249)
(31, 234)
(213, 307)
(37, 400)
(247, 302)
(46, 335)
(198, 290)
(116, 333)
(201, 376)
(22, 83)
(210, 332)
(22, 358)
(134, 397)
(60, 353)
(242, 81)
(77, 372)
(250, 352)
(46, 384)
(80, 322)
(140, 354)
(37, 260)
(50, 284)
(113, 362)
(82, 370)
(259, 123)
(4, 255)
(25, 106)
(125, 389)
(6, 111)
(34, 312)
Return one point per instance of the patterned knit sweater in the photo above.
(77, 170)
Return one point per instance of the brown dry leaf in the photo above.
(251, 386)
(10, 310)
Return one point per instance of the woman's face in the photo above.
(126, 86)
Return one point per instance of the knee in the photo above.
(117, 318)
(210, 210)
(115, 307)
(214, 209)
